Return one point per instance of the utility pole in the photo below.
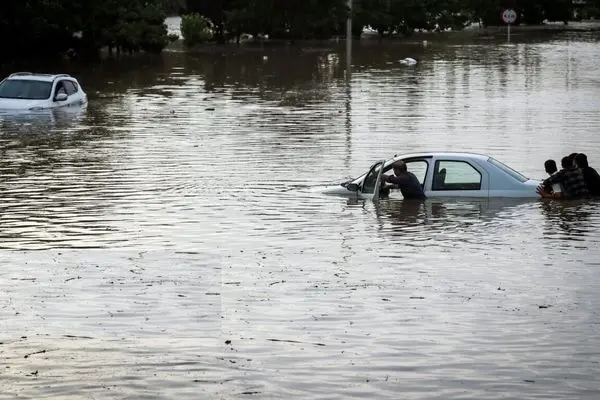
(349, 39)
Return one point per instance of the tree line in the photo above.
(44, 28)
(320, 19)
(40, 28)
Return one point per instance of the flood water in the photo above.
(169, 241)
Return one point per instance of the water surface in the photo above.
(169, 242)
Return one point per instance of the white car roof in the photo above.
(37, 77)
(449, 154)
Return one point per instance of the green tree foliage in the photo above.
(215, 11)
(174, 7)
(195, 29)
(405, 16)
(290, 19)
(319, 19)
(589, 9)
(41, 28)
(530, 12)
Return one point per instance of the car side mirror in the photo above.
(61, 97)
(353, 187)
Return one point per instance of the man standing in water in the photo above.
(406, 181)
(570, 178)
(590, 175)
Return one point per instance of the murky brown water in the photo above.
(179, 211)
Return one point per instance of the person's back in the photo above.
(407, 182)
(413, 189)
(590, 175)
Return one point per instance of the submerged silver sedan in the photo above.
(446, 174)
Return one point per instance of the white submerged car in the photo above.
(445, 174)
(28, 91)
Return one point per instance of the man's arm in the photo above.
(554, 178)
(397, 180)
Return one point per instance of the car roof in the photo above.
(450, 154)
(29, 76)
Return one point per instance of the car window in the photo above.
(25, 89)
(419, 168)
(455, 175)
(508, 170)
(60, 87)
(70, 87)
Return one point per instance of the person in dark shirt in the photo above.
(550, 167)
(590, 175)
(406, 181)
(571, 179)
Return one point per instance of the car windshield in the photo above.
(25, 89)
(508, 170)
(387, 167)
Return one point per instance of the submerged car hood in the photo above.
(335, 190)
(21, 104)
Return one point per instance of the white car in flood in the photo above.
(445, 174)
(28, 91)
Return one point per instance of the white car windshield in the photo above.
(25, 89)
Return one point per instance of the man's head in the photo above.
(572, 158)
(399, 167)
(566, 162)
(550, 166)
(581, 160)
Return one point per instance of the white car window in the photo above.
(60, 88)
(70, 87)
(419, 168)
(371, 179)
(455, 175)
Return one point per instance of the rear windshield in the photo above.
(25, 89)
(508, 170)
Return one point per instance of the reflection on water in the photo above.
(35, 121)
(169, 238)
(570, 220)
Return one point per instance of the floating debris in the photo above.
(77, 337)
(294, 341)
(31, 354)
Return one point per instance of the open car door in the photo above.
(372, 182)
